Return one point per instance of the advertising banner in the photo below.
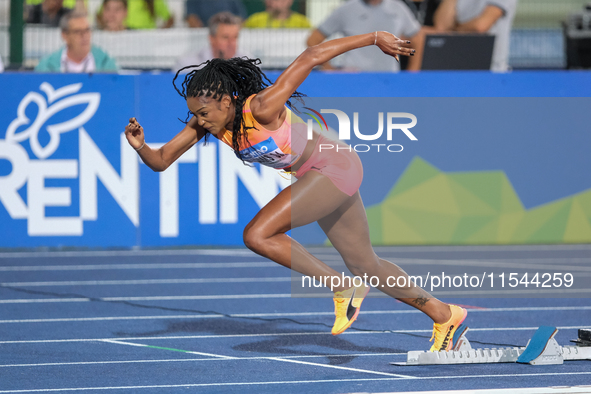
(441, 167)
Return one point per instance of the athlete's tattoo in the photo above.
(421, 301)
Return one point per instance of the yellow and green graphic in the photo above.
(428, 206)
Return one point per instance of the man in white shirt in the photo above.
(224, 30)
(480, 16)
(366, 16)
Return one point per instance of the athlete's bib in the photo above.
(268, 153)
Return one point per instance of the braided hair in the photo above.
(238, 78)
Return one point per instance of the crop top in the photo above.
(278, 149)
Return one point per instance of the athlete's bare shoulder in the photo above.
(269, 116)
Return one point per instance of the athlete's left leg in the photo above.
(348, 230)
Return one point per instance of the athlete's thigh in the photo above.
(348, 230)
(307, 200)
(314, 196)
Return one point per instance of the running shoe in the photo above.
(444, 333)
(346, 307)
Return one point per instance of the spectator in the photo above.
(148, 14)
(48, 13)
(112, 15)
(426, 10)
(1, 65)
(224, 29)
(480, 16)
(200, 11)
(365, 16)
(79, 55)
(277, 14)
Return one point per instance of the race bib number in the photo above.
(268, 154)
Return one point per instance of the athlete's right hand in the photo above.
(392, 45)
(134, 134)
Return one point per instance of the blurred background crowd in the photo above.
(117, 35)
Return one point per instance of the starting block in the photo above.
(542, 349)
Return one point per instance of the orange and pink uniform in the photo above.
(283, 147)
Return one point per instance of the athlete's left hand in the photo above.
(393, 46)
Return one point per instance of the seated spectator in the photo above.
(277, 14)
(48, 13)
(148, 14)
(480, 16)
(112, 15)
(200, 11)
(79, 55)
(364, 16)
(224, 29)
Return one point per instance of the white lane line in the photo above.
(146, 282)
(132, 253)
(44, 300)
(117, 342)
(548, 292)
(197, 359)
(139, 266)
(497, 263)
(184, 337)
(523, 390)
(525, 328)
(287, 314)
(340, 367)
(173, 337)
(545, 260)
(472, 248)
(550, 264)
(152, 298)
(267, 358)
(241, 252)
(284, 382)
(113, 318)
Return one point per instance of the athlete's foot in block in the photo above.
(443, 333)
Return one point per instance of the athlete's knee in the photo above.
(250, 238)
(362, 265)
(254, 239)
(357, 269)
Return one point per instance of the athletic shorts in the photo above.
(340, 164)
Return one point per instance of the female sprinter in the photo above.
(232, 100)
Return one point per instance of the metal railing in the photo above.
(536, 41)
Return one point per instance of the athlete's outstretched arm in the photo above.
(269, 103)
(160, 159)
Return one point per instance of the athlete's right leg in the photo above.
(348, 230)
(310, 198)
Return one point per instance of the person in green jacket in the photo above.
(278, 15)
(79, 55)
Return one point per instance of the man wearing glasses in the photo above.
(79, 55)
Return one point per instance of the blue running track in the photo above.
(224, 321)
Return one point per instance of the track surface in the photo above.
(225, 321)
